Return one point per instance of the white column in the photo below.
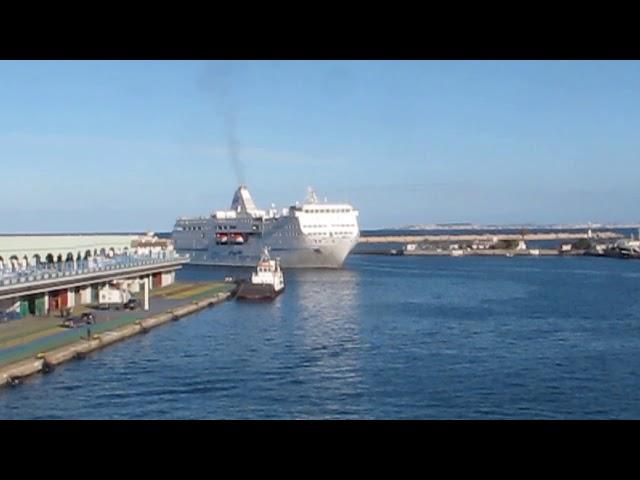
(71, 298)
(146, 294)
(85, 295)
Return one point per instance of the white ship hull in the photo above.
(297, 255)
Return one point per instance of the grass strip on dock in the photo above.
(176, 287)
(20, 339)
(198, 291)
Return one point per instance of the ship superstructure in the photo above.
(311, 234)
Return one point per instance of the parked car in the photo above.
(86, 318)
(131, 304)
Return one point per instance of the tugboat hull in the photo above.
(248, 291)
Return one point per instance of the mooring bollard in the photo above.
(47, 367)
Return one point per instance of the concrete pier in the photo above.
(45, 362)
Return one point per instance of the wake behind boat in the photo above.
(313, 234)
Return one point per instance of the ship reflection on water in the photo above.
(324, 306)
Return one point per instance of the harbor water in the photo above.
(383, 338)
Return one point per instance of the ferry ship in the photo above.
(308, 235)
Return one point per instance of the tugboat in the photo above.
(267, 282)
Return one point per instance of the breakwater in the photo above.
(488, 237)
(45, 362)
(497, 252)
(494, 252)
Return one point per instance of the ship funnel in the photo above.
(242, 201)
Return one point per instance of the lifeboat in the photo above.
(239, 238)
(222, 237)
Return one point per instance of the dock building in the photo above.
(40, 274)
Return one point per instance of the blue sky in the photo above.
(128, 145)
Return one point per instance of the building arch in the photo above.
(87, 254)
(36, 260)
